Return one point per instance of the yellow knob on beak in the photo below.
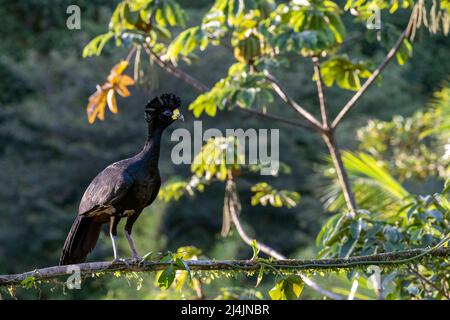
(176, 114)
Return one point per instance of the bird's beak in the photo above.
(176, 115)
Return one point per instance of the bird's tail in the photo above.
(80, 241)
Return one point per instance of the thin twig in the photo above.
(341, 173)
(320, 92)
(277, 118)
(196, 84)
(375, 74)
(425, 280)
(130, 54)
(294, 105)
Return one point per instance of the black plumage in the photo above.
(123, 189)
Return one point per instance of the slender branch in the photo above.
(320, 93)
(130, 54)
(342, 176)
(426, 281)
(196, 84)
(383, 259)
(329, 140)
(270, 251)
(201, 87)
(294, 105)
(245, 237)
(277, 118)
(376, 73)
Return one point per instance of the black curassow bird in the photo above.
(123, 189)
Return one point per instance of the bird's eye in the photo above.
(167, 113)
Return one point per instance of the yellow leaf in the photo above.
(120, 67)
(297, 288)
(101, 108)
(126, 80)
(112, 103)
(123, 91)
(116, 71)
(91, 117)
(105, 94)
(96, 106)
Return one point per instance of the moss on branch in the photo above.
(382, 259)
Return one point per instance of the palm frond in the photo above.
(374, 187)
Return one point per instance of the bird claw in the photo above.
(119, 261)
(137, 260)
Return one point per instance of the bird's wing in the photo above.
(108, 187)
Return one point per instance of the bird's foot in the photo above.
(136, 259)
(119, 261)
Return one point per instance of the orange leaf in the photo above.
(96, 106)
(101, 108)
(121, 66)
(116, 71)
(91, 116)
(126, 80)
(123, 91)
(105, 94)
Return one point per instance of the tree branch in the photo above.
(277, 118)
(201, 87)
(376, 73)
(342, 175)
(320, 93)
(426, 281)
(382, 259)
(196, 84)
(268, 250)
(294, 105)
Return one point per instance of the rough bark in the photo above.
(382, 259)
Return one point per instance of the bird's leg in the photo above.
(128, 227)
(132, 246)
(114, 221)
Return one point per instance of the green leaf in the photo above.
(246, 98)
(172, 190)
(130, 16)
(183, 265)
(95, 46)
(337, 26)
(287, 288)
(169, 14)
(349, 246)
(404, 52)
(276, 293)
(147, 256)
(186, 42)
(373, 185)
(295, 287)
(260, 276)
(167, 277)
(344, 72)
(266, 194)
(235, 8)
(256, 249)
(159, 17)
(28, 282)
(211, 109)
